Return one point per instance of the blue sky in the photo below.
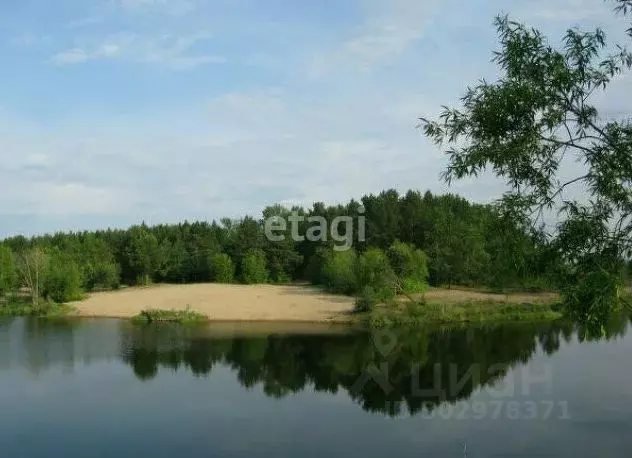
(117, 111)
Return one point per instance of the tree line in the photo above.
(410, 240)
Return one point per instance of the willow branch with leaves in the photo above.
(528, 126)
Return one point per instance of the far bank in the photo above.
(295, 303)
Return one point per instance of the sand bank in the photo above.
(223, 302)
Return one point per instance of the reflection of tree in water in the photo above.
(48, 342)
(393, 376)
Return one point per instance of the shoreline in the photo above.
(301, 306)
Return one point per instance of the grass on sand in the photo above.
(186, 316)
(480, 311)
(45, 309)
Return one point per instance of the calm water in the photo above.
(106, 388)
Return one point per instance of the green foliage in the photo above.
(282, 252)
(374, 271)
(222, 268)
(624, 7)
(415, 314)
(366, 300)
(101, 276)
(281, 278)
(186, 316)
(410, 265)
(514, 257)
(8, 274)
(315, 269)
(177, 263)
(44, 309)
(369, 298)
(243, 237)
(63, 280)
(143, 254)
(413, 286)
(523, 126)
(591, 298)
(456, 244)
(254, 269)
(339, 272)
(32, 266)
(383, 212)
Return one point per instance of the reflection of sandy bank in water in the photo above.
(251, 329)
(224, 303)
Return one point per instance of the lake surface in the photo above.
(107, 388)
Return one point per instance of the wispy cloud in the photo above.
(84, 22)
(169, 51)
(70, 56)
(174, 52)
(389, 28)
(565, 12)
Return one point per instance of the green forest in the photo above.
(411, 240)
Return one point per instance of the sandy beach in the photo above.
(223, 302)
(269, 303)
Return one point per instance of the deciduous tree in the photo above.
(526, 127)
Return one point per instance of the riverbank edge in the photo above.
(44, 310)
(463, 312)
(391, 315)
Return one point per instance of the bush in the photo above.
(283, 278)
(254, 268)
(339, 272)
(102, 276)
(412, 286)
(411, 267)
(366, 300)
(63, 280)
(374, 271)
(186, 316)
(222, 268)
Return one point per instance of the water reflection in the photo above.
(390, 372)
(387, 372)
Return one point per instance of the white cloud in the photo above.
(569, 11)
(84, 22)
(168, 50)
(389, 28)
(243, 151)
(173, 52)
(74, 198)
(71, 56)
